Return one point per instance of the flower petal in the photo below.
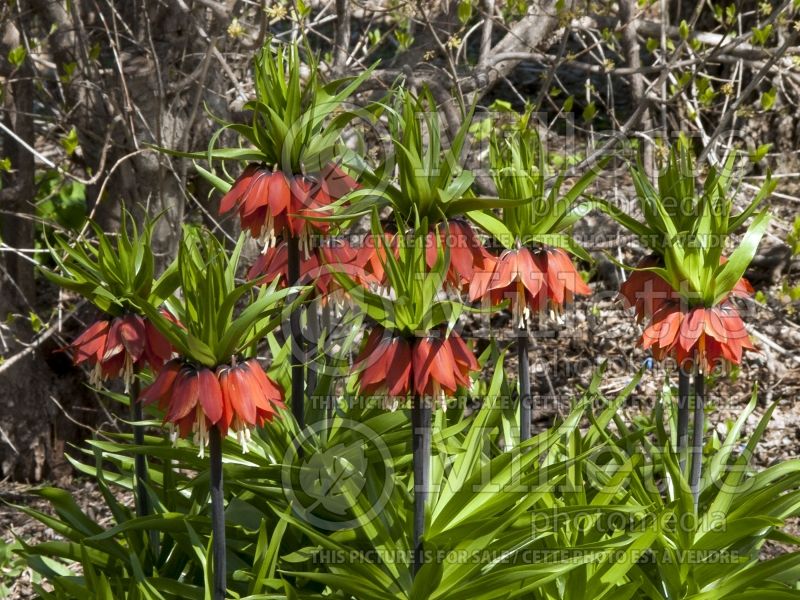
(432, 361)
(691, 328)
(279, 193)
(91, 343)
(223, 377)
(336, 182)
(713, 325)
(241, 395)
(185, 394)
(462, 353)
(530, 271)
(234, 195)
(272, 392)
(159, 350)
(257, 195)
(271, 264)
(398, 378)
(661, 327)
(161, 387)
(210, 395)
(443, 368)
(114, 343)
(482, 279)
(506, 271)
(133, 335)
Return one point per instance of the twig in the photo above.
(545, 89)
(486, 33)
(754, 83)
(38, 340)
(630, 43)
(342, 38)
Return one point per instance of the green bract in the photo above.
(115, 271)
(689, 226)
(413, 305)
(210, 332)
(431, 183)
(519, 169)
(293, 126)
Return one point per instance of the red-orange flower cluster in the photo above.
(236, 397)
(467, 254)
(647, 292)
(533, 280)
(371, 257)
(708, 335)
(119, 346)
(431, 366)
(315, 269)
(271, 203)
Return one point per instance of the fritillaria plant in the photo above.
(412, 354)
(285, 192)
(215, 385)
(535, 271)
(431, 186)
(685, 287)
(112, 272)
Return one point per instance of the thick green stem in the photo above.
(684, 389)
(421, 448)
(524, 386)
(297, 345)
(217, 515)
(697, 436)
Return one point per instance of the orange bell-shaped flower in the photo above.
(237, 397)
(119, 346)
(533, 281)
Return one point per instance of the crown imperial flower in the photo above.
(272, 204)
(708, 335)
(433, 366)
(234, 397)
(533, 280)
(120, 346)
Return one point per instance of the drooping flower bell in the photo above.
(272, 204)
(467, 253)
(236, 397)
(371, 256)
(646, 291)
(708, 335)
(433, 366)
(533, 280)
(316, 268)
(120, 346)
